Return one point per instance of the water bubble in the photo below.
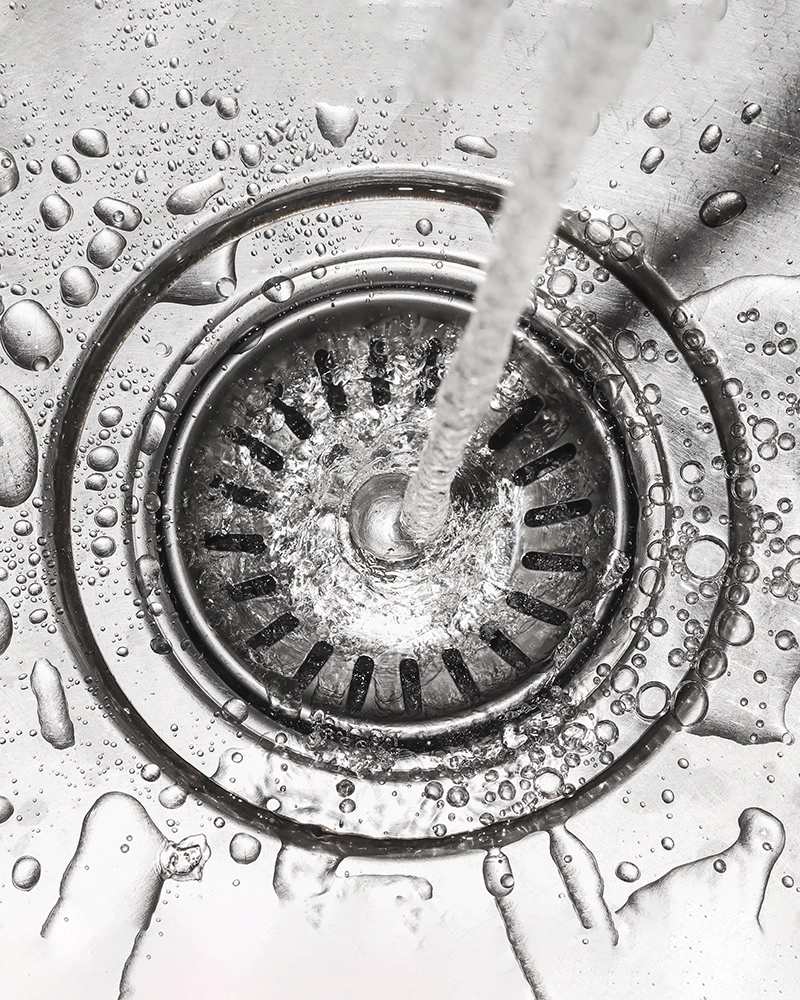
(9, 172)
(750, 112)
(457, 796)
(710, 139)
(562, 283)
(652, 699)
(103, 547)
(657, 117)
(30, 335)
(548, 783)
(433, 790)
(244, 849)
(336, 123)
(55, 212)
(66, 168)
(78, 286)
(139, 98)
(104, 247)
(735, 626)
(721, 208)
(220, 149)
(476, 145)
(786, 640)
(424, 227)
(26, 873)
(191, 198)
(720, 866)
(651, 159)
(117, 213)
(34, 167)
(668, 796)
(18, 457)
(667, 843)
(706, 557)
(51, 703)
(90, 142)
(598, 232)
(627, 871)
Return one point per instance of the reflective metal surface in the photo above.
(229, 242)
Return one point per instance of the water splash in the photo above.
(600, 50)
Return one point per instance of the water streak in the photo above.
(599, 49)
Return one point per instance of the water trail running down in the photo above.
(599, 49)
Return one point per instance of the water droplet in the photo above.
(55, 211)
(172, 797)
(720, 866)
(721, 208)
(235, 710)
(148, 570)
(250, 154)
(150, 772)
(191, 198)
(651, 159)
(497, 875)
(710, 139)
(6, 626)
(90, 142)
(30, 335)
(706, 557)
(6, 809)
(245, 849)
(433, 790)
(548, 783)
(652, 699)
(78, 286)
(476, 145)
(104, 247)
(18, 458)
(750, 112)
(140, 98)
(713, 663)
(51, 703)
(627, 871)
(66, 169)
(457, 796)
(562, 283)
(278, 289)
(9, 172)
(183, 98)
(735, 627)
(786, 640)
(153, 431)
(104, 458)
(657, 117)
(110, 416)
(117, 213)
(206, 281)
(424, 227)
(26, 873)
(227, 107)
(668, 796)
(336, 123)
(691, 704)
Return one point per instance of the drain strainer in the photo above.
(372, 690)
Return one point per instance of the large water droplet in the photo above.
(691, 704)
(721, 208)
(18, 463)
(55, 211)
(706, 557)
(651, 159)
(658, 117)
(476, 145)
(336, 123)
(26, 873)
(90, 142)
(66, 169)
(710, 139)
(153, 431)
(245, 849)
(78, 286)
(104, 247)
(497, 875)
(750, 112)
(117, 213)
(192, 197)
(735, 626)
(51, 704)
(9, 172)
(30, 335)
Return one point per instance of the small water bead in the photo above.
(598, 232)
(139, 98)
(150, 772)
(750, 112)
(667, 843)
(34, 167)
(347, 806)
(26, 873)
(720, 866)
(627, 871)
(548, 783)
(105, 247)
(103, 547)
(658, 117)
(235, 710)
(336, 123)
(706, 556)
(562, 283)
(721, 208)
(668, 796)
(735, 626)
(9, 172)
(78, 286)
(713, 663)
(690, 704)
(652, 699)
(90, 142)
(651, 159)
(710, 139)
(278, 289)
(786, 640)
(424, 227)
(475, 145)
(787, 881)
(55, 212)
(244, 849)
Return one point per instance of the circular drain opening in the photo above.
(279, 501)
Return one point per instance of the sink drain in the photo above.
(258, 414)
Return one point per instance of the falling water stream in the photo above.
(599, 49)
